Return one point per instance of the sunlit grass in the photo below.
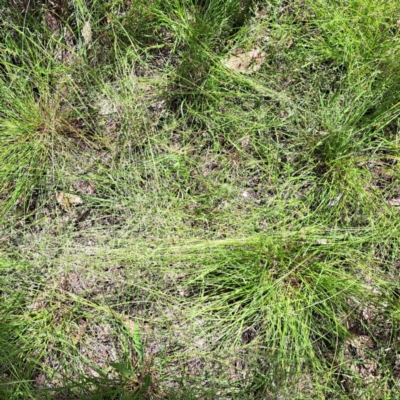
(237, 235)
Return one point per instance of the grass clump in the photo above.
(44, 119)
(232, 170)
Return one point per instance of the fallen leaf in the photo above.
(87, 33)
(394, 202)
(66, 200)
(335, 201)
(39, 303)
(83, 215)
(129, 324)
(52, 23)
(245, 62)
(81, 332)
(84, 187)
(106, 107)
(356, 353)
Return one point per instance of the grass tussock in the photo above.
(199, 199)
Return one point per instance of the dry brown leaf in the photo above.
(128, 323)
(245, 62)
(39, 303)
(81, 332)
(106, 107)
(356, 351)
(336, 200)
(84, 187)
(394, 202)
(52, 23)
(66, 200)
(87, 33)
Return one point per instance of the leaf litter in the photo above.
(66, 200)
(245, 62)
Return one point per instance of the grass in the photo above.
(236, 234)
